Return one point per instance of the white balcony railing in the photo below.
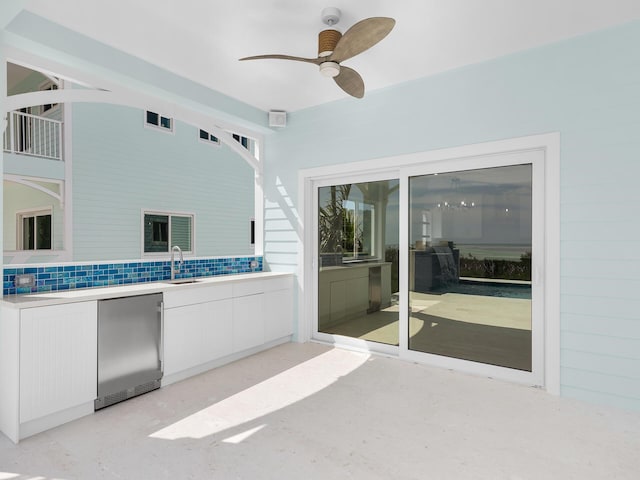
(32, 135)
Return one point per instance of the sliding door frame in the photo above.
(545, 271)
(326, 181)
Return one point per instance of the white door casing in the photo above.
(542, 151)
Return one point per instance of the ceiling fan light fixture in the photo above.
(330, 69)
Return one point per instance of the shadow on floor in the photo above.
(501, 346)
(494, 345)
(381, 327)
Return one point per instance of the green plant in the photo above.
(337, 228)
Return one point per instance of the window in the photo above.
(348, 222)
(34, 230)
(156, 120)
(164, 230)
(244, 141)
(207, 137)
(43, 88)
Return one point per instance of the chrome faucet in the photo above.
(175, 270)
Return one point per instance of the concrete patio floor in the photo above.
(309, 411)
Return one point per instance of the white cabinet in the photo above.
(262, 312)
(49, 373)
(278, 309)
(248, 322)
(343, 292)
(349, 295)
(212, 324)
(58, 358)
(248, 315)
(196, 334)
(48, 354)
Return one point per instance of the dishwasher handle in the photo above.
(161, 345)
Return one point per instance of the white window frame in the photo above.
(168, 213)
(545, 272)
(44, 86)
(208, 140)
(32, 212)
(240, 138)
(159, 126)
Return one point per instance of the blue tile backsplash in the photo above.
(51, 278)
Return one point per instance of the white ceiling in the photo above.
(203, 39)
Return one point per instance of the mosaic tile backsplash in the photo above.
(51, 278)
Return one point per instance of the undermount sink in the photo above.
(179, 281)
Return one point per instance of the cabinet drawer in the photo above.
(194, 294)
(247, 287)
(278, 283)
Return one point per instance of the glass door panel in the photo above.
(358, 260)
(470, 265)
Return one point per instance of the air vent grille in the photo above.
(118, 397)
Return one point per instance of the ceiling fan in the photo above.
(334, 48)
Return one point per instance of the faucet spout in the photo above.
(175, 270)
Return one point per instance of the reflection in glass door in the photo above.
(470, 265)
(358, 260)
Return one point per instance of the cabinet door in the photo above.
(58, 358)
(196, 334)
(248, 322)
(338, 301)
(182, 326)
(215, 338)
(278, 309)
(357, 295)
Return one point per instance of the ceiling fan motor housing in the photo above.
(327, 41)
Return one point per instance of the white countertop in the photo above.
(354, 265)
(100, 293)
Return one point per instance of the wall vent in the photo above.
(277, 118)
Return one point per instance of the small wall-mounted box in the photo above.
(25, 280)
(277, 118)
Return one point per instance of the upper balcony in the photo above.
(33, 146)
(32, 135)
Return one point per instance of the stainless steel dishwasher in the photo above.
(130, 347)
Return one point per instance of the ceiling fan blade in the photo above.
(362, 36)
(315, 61)
(350, 81)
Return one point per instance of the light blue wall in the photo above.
(588, 89)
(120, 166)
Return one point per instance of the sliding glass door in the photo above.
(437, 265)
(358, 261)
(470, 265)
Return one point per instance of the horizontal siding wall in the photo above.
(121, 166)
(588, 89)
